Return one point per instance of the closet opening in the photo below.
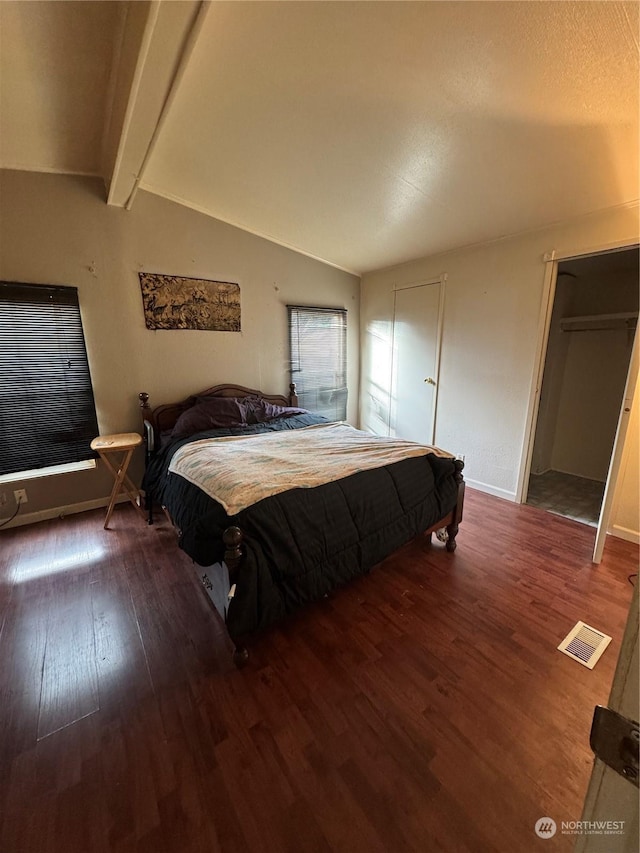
(590, 343)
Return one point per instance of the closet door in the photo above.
(417, 330)
(618, 447)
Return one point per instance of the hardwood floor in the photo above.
(421, 708)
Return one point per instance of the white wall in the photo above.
(552, 382)
(593, 381)
(584, 378)
(492, 327)
(58, 230)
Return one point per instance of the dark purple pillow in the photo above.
(209, 413)
(260, 410)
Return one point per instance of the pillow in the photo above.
(209, 413)
(260, 410)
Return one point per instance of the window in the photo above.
(47, 410)
(318, 346)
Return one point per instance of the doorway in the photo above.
(591, 335)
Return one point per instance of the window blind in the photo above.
(318, 346)
(47, 409)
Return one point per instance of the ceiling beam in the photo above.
(154, 48)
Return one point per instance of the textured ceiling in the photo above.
(361, 133)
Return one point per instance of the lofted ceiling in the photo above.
(361, 133)
(55, 67)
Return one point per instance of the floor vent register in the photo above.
(584, 644)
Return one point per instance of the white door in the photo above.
(417, 330)
(610, 797)
(616, 456)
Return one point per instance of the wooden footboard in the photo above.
(456, 513)
(219, 580)
(232, 538)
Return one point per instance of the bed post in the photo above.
(293, 397)
(452, 528)
(147, 429)
(232, 538)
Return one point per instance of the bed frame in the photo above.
(220, 587)
(163, 418)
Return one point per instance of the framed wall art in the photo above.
(177, 302)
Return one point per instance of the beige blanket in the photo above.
(239, 471)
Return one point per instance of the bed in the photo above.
(267, 531)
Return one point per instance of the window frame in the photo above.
(47, 405)
(327, 398)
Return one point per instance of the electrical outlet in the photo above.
(20, 496)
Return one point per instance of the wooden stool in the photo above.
(125, 443)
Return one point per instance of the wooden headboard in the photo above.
(163, 418)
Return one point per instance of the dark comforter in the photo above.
(300, 544)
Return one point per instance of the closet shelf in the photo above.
(599, 322)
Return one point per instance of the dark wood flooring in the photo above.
(421, 708)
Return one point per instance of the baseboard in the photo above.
(59, 511)
(624, 533)
(582, 476)
(491, 490)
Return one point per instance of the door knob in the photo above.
(430, 381)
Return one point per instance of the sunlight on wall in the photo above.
(377, 382)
